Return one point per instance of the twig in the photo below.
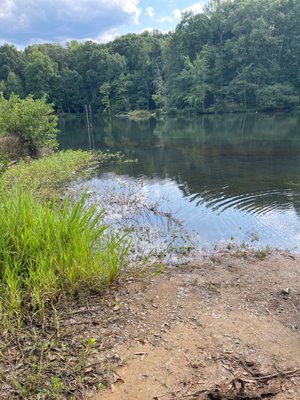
(287, 374)
(294, 307)
(181, 396)
(191, 394)
(166, 394)
(20, 348)
(243, 364)
(264, 378)
(95, 364)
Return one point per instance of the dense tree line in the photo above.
(238, 54)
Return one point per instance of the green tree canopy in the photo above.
(251, 61)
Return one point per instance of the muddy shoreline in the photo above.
(215, 328)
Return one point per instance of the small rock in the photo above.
(286, 291)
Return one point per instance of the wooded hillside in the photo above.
(239, 54)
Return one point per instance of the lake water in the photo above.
(225, 178)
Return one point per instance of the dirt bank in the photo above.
(225, 328)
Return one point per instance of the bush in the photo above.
(33, 121)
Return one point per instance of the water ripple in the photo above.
(256, 203)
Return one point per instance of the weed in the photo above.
(50, 251)
(261, 254)
(48, 175)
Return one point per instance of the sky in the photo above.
(23, 22)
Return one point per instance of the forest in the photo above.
(238, 55)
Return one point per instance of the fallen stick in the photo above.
(263, 378)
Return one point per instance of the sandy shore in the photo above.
(227, 327)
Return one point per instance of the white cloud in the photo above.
(148, 29)
(106, 37)
(196, 8)
(176, 15)
(149, 12)
(163, 20)
(6, 9)
(88, 9)
(53, 19)
(151, 30)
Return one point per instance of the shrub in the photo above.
(33, 121)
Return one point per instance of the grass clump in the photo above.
(262, 253)
(140, 115)
(50, 251)
(50, 174)
(56, 256)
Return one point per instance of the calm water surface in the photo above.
(225, 177)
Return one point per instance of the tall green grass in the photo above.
(51, 250)
(50, 174)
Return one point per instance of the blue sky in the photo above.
(36, 21)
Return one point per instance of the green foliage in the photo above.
(277, 96)
(39, 72)
(159, 97)
(51, 250)
(33, 121)
(241, 49)
(105, 97)
(121, 102)
(193, 81)
(13, 84)
(48, 175)
(11, 60)
(3, 163)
